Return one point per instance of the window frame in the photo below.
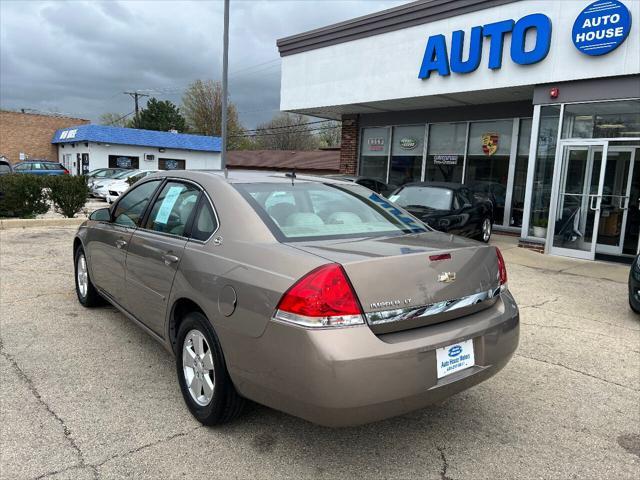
(204, 198)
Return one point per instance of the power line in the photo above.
(135, 96)
(288, 126)
(258, 135)
(120, 118)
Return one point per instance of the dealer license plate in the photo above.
(454, 358)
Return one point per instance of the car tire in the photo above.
(87, 294)
(486, 229)
(204, 380)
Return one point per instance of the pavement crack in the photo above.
(445, 465)
(148, 445)
(579, 371)
(34, 391)
(539, 304)
(40, 295)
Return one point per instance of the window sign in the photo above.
(408, 141)
(445, 159)
(490, 138)
(168, 203)
(601, 27)
(375, 141)
(123, 162)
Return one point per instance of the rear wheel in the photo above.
(486, 228)
(88, 296)
(202, 373)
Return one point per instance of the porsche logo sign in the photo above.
(490, 143)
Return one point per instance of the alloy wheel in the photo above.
(486, 229)
(82, 275)
(197, 367)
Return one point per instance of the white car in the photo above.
(100, 188)
(117, 188)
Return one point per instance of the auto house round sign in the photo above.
(601, 27)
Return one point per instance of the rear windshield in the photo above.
(423, 197)
(315, 211)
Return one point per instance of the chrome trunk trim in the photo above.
(411, 313)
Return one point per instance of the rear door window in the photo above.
(173, 208)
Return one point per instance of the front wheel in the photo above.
(202, 373)
(485, 230)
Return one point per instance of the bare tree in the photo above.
(202, 108)
(115, 119)
(286, 131)
(329, 135)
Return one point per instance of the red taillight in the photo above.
(502, 268)
(323, 297)
(65, 172)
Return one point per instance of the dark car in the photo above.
(371, 183)
(40, 167)
(5, 167)
(448, 207)
(494, 191)
(634, 285)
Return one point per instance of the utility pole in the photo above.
(225, 66)
(135, 96)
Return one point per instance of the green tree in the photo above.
(202, 107)
(161, 115)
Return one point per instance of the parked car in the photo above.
(494, 191)
(371, 183)
(117, 188)
(100, 188)
(447, 207)
(308, 295)
(102, 173)
(634, 285)
(40, 167)
(5, 167)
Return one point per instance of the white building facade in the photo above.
(88, 147)
(539, 101)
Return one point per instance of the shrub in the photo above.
(22, 196)
(68, 193)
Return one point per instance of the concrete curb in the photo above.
(6, 224)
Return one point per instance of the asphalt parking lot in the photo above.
(86, 394)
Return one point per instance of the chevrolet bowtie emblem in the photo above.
(447, 277)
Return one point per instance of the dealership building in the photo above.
(536, 102)
(83, 148)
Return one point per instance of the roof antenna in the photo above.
(291, 175)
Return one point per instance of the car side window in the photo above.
(205, 223)
(173, 208)
(132, 205)
(21, 167)
(465, 197)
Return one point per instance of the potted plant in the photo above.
(540, 227)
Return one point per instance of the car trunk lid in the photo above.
(415, 280)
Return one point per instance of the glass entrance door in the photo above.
(591, 201)
(573, 221)
(616, 198)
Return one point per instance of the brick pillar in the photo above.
(349, 144)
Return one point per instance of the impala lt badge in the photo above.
(447, 277)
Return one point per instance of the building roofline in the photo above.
(42, 114)
(397, 18)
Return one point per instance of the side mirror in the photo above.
(101, 215)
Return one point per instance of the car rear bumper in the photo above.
(349, 376)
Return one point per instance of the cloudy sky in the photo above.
(77, 57)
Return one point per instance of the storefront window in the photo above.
(602, 120)
(406, 155)
(488, 162)
(445, 158)
(374, 153)
(520, 175)
(543, 173)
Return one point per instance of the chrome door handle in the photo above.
(121, 243)
(169, 258)
(593, 197)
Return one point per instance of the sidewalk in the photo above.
(585, 268)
